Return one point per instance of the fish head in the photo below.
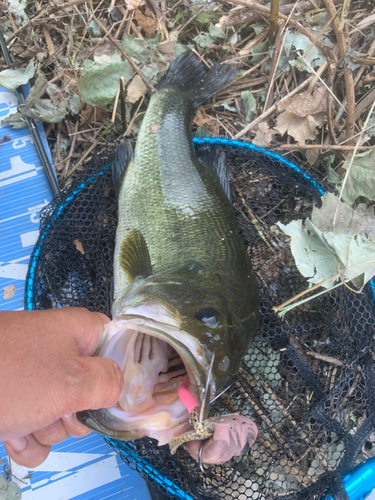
(175, 328)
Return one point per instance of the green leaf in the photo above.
(99, 83)
(94, 28)
(361, 179)
(137, 48)
(206, 17)
(216, 32)
(313, 256)
(49, 110)
(11, 79)
(203, 39)
(9, 490)
(371, 123)
(300, 42)
(250, 104)
(322, 252)
(228, 108)
(333, 178)
(17, 9)
(74, 105)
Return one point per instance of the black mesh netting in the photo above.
(307, 380)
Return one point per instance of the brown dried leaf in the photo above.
(301, 128)
(312, 155)
(202, 120)
(263, 136)
(136, 89)
(79, 246)
(134, 4)
(149, 23)
(168, 47)
(306, 104)
(9, 291)
(92, 114)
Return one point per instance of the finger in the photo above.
(75, 428)
(30, 455)
(99, 384)
(51, 434)
(88, 329)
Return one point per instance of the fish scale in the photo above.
(174, 201)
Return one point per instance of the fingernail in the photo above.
(67, 417)
(18, 444)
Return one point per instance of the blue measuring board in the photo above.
(77, 469)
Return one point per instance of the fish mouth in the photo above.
(156, 359)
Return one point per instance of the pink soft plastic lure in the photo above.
(186, 397)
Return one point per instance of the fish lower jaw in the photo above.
(154, 370)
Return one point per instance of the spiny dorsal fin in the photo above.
(216, 160)
(134, 256)
(123, 156)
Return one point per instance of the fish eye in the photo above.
(209, 316)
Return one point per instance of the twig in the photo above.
(124, 13)
(351, 161)
(128, 58)
(134, 117)
(274, 22)
(161, 18)
(201, 58)
(71, 151)
(123, 103)
(269, 111)
(326, 147)
(327, 359)
(348, 77)
(45, 13)
(265, 10)
(300, 56)
(275, 62)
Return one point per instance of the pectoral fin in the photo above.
(134, 256)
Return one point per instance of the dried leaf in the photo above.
(17, 9)
(136, 89)
(134, 4)
(312, 155)
(306, 104)
(79, 246)
(137, 48)
(8, 292)
(168, 47)
(349, 220)
(149, 23)
(263, 136)
(301, 128)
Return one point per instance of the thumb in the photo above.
(100, 383)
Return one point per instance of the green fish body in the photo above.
(185, 294)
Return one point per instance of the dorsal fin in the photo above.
(123, 157)
(216, 160)
(134, 256)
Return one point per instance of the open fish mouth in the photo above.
(156, 359)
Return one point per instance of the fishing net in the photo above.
(307, 380)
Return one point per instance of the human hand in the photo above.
(47, 374)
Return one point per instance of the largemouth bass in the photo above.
(185, 305)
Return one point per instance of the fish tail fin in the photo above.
(188, 74)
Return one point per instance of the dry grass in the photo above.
(330, 62)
